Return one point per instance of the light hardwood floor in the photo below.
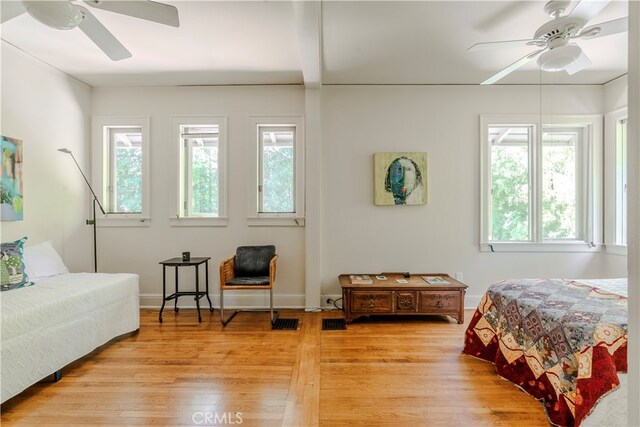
(386, 371)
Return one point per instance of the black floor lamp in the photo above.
(91, 221)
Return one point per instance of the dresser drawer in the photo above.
(440, 301)
(372, 301)
(406, 301)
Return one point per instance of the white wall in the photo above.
(634, 208)
(615, 94)
(615, 97)
(139, 249)
(48, 110)
(442, 236)
(356, 122)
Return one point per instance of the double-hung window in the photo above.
(564, 186)
(200, 163)
(124, 186)
(276, 169)
(121, 169)
(540, 187)
(616, 181)
(277, 193)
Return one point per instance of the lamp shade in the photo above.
(62, 15)
(559, 58)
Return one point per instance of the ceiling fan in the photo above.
(555, 38)
(66, 15)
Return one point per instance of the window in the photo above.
(563, 184)
(510, 196)
(537, 192)
(616, 181)
(121, 170)
(124, 186)
(621, 182)
(278, 195)
(200, 160)
(276, 188)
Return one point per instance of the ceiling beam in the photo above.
(308, 17)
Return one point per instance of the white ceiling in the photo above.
(363, 42)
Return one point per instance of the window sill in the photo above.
(123, 222)
(275, 221)
(616, 249)
(199, 222)
(540, 247)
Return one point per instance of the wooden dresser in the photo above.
(388, 297)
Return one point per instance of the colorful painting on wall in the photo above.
(400, 178)
(11, 182)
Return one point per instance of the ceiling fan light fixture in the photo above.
(559, 58)
(62, 15)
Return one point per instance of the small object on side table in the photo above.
(186, 256)
(179, 262)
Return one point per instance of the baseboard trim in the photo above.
(232, 299)
(471, 301)
(329, 306)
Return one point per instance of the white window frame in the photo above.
(176, 215)
(589, 207)
(261, 144)
(101, 126)
(254, 216)
(110, 191)
(613, 206)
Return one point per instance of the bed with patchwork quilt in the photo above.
(561, 341)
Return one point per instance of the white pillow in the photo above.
(42, 261)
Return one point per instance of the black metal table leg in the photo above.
(175, 302)
(197, 298)
(197, 294)
(206, 273)
(164, 290)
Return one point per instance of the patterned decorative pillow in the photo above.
(12, 266)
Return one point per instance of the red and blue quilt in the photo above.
(561, 341)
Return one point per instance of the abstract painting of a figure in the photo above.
(11, 182)
(400, 178)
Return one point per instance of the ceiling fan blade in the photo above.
(588, 9)
(504, 44)
(615, 26)
(511, 68)
(101, 36)
(579, 64)
(142, 9)
(10, 9)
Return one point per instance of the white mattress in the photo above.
(60, 319)
(612, 409)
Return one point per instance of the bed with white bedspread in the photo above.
(60, 319)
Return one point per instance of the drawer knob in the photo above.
(371, 303)
(439, 304)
